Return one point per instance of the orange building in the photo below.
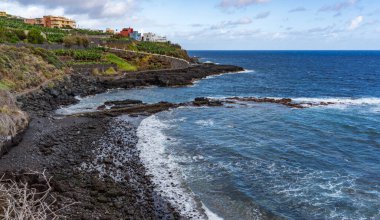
(35, 21)
(52, 22)
(59, 22)
(3, 14)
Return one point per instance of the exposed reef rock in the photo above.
(137, 107)
(65, 92)
(285, 101)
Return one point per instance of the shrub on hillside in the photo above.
(20, 34)
(87, 55)
(70, 41)
(83, 41)
(48, 56)
(169, 49)
(35, 37)
(8, 35)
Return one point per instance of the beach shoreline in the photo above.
(71, 150)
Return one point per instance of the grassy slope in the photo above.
(169, 49)
(120, 62)
(25, 68)
(12, 119)
(163, 48)
(22, 69)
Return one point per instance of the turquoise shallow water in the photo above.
(315, 163)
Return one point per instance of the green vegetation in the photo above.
(35, 37)
(169, 49)
(8, 35)
(25, 68)
(110, 71)
(48, 56)
(9, 26)
(93, 55)
(3, 86)
(11, 35)
(87, 55)
(12, 24)
(121, 63)
(70, 41)
(119, 38)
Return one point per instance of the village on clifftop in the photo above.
(66, 23)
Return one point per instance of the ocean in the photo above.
(257, 160)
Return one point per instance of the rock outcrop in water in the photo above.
(137, 107)
(84, 84)
(285, 101)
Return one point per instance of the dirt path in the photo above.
(27, 91)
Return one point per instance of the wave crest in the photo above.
(165, 172)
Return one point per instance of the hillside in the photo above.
(168, 48)
(12, 119)
(25, 68)
(22, 69)
(13, 30)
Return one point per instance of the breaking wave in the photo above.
(167, 177)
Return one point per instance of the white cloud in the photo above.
(32, 11)
(91, 8)
(240, 3)
(355, 23)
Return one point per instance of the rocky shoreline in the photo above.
(84, 84)
(92, 159)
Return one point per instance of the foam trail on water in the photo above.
(239, 72)
(341, 102)
(210, 214)
(166, 175)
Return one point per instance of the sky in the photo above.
(227, 24)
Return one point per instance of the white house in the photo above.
(151, 37)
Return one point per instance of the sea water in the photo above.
(257, 161)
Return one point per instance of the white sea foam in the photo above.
(246, 71)
(341, 103)
(205, 123)
(210, 214)
(195, 82)
(345, 101)
(166, 173)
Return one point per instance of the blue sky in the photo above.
(227, 24)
